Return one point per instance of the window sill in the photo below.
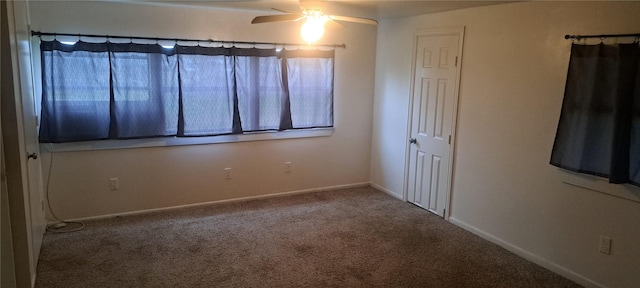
(181, 141)
(601, 185)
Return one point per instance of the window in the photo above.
(97, 91)
(599, 127)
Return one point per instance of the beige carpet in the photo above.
(357, 237)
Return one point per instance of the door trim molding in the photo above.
(457, 31)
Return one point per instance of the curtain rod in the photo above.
(37, 33)
(578, 37)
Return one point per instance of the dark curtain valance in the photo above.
(157, 48)
(180, 49)
(199, 50)
(78, 46)
(599, 128)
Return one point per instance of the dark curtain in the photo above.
(207, 85)
(310, 85)
(599, 128)
(260, 89)
(95, 91)
(144, 86)
(76, 92)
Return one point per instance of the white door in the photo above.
(432, 120)
(34, 172)
(32, 147)
(20, 33)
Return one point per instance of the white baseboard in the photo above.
(558, 269)
(385, 190)
(273, 195)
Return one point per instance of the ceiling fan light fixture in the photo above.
(313, 13)
(313, 28)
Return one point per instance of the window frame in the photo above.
(112, 144)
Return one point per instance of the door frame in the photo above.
(456, 31)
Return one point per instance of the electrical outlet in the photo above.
(287, 167)
(227, 173)
(605, 245)
(114, 184)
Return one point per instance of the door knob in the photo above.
(33, 155)
(413, 140)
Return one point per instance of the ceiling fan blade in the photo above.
(283, 11)
(353, 19)
(276, 18)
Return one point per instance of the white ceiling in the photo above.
(375, 9)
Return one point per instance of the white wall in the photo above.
(513, 71)
(169, 176)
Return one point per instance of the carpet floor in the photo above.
(357, 237)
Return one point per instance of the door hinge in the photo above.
(456, 62)
(449, 139)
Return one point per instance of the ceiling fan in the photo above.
(314, 14)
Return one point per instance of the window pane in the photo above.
(145, 90)
(311, 91)
(207, 94)
(75, 96)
